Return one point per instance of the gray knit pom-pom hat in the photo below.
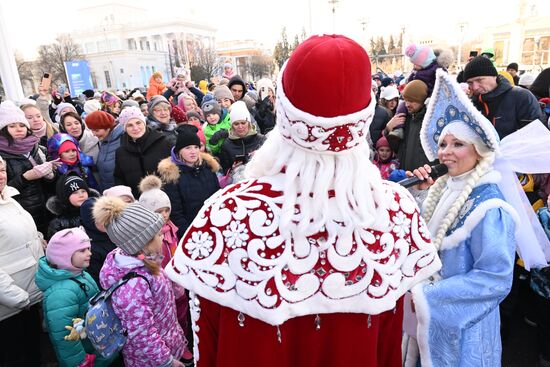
(129, 226)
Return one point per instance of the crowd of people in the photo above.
(261, 222)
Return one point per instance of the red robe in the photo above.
(252, 282)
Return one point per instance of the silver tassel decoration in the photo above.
(317, 322)
(369, 323)
(240, 318)
(279, 335)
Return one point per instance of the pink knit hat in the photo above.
(129, 113)
(420, 55)
(10, 113)
(119, 191)
(63, 245)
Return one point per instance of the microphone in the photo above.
(437, 171)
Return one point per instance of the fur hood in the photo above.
(169, 172)
(445, 58)
(56, 207)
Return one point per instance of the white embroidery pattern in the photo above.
(234, 255)
(200, 244)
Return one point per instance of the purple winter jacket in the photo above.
(427, 75)
(148, 314)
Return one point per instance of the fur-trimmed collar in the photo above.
(169, 172)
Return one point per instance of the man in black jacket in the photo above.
(509, 108)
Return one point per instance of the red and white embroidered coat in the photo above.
(263, 300)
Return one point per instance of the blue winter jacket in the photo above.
(64, 300)
(106, 157)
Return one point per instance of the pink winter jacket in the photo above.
(148, 314)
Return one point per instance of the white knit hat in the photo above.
(388, 93)
(10, 113)
(152, 197)
(239, 112)
(526, 80)
(91, 106)
(263, 86)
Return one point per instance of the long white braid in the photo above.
(485, 165)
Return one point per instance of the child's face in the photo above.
(81, 258)
(154, 247)
(69, 155)
(127, 199)
(384, 153)
(190, 154)
(165, 212)
(392, 103)
(78, 197)
(194, 120)
(212, 118)
(224, 102)
(189, 104)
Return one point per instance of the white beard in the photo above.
(359, 193)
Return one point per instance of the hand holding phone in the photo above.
(45, 84)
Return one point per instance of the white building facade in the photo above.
(124, 46)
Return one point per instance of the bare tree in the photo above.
(204, 62)
(51, 57)
(260, 66)
(26, 70)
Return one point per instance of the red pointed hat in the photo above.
(324, 97)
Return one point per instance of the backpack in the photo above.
(103, 326)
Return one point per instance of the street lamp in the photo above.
(461, 40)
(333, 4)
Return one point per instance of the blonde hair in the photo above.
(50, 128)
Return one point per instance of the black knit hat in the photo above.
(187, 135)
(69, 183)
(513, 66)
(479, 66)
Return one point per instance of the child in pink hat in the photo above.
(67, 287)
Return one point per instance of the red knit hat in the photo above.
(100, 120)
(178, 115)
(324, 95)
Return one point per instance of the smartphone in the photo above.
(241, 158)
(46, 81)
(473, 53)
(62, 88)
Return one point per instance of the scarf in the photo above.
(40, 132)
(19, 146)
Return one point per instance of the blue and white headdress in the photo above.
(520, 151)
(449, 104)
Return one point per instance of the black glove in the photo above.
(219, 135)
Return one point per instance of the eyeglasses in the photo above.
(161, 109)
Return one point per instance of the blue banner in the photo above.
(79, 77)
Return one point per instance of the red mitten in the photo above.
(88, 361)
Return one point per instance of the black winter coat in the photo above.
(137, 159)
(234, 147)
(32, 194)
(508, 108)
(265, 115)
(188, 188)
(101, 245)
(381, 118)
(409, 150)
(66, 215)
